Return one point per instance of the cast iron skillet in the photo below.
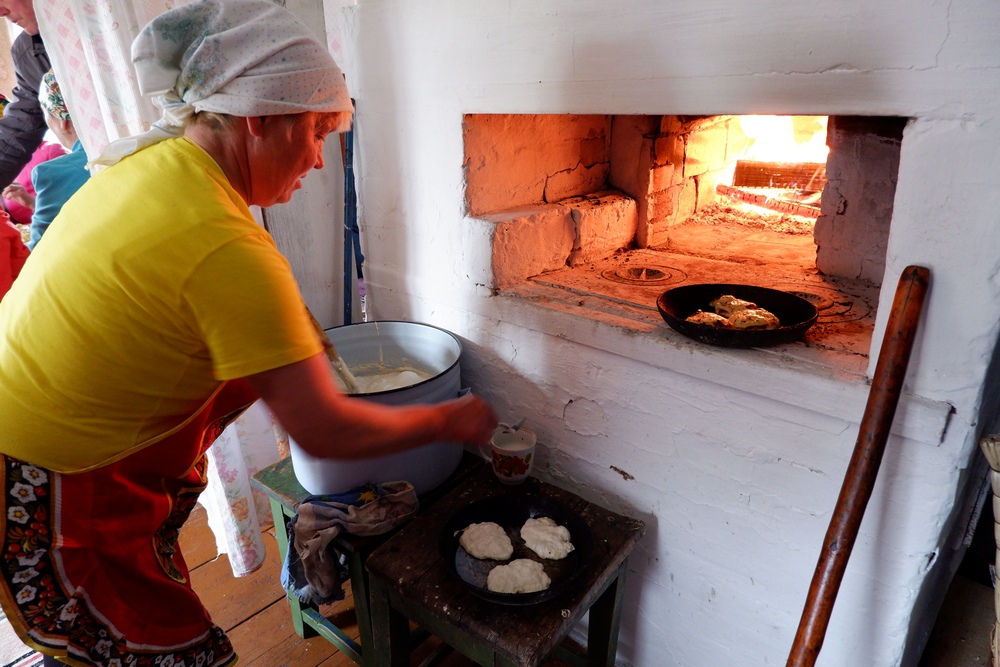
(795, 314)
(511, 512)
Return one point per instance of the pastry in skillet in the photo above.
(708, 319)
(518, 576)
(486, 540)
(754, 318)
(727, 304)
(546, 538)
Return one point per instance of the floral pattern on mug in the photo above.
(511, 466)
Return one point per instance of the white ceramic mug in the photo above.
(511, 452)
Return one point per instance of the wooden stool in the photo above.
(285, 493)
(409, 581)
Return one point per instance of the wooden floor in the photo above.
(254, 612)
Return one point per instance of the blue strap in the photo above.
(352, 233)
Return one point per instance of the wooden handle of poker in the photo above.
(859, 481)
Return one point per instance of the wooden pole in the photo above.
(883, 397)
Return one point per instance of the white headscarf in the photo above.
(238, 57)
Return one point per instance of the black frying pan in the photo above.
(510, 512)
(795, 314)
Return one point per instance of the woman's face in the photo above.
(20, 12)
(289, 148)
(63, 130)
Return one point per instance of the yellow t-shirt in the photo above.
(152, 286)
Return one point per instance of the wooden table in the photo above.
(410, 581)
(285, 493)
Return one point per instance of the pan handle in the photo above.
(859, 481)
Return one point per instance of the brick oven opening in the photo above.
(617, 209)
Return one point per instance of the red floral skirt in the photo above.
(91, 573)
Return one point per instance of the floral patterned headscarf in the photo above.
(50, 97)
(238, 57)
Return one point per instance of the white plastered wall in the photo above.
(733, 458)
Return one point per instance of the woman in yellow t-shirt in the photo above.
(155, 311)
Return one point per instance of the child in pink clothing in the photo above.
(18, 195)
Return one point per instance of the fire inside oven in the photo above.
(782, 170)
(621, 206)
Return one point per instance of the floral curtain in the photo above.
(236, 512)
(89, 44)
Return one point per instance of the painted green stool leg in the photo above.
(280, 519)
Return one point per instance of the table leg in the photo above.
(605, 622)
(280, 519)
(359, 586)
(390, 630)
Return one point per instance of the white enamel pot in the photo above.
(391, 345)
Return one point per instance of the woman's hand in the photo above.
(471, 419)
(16, 192)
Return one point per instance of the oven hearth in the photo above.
(620, 208)
(628, 283)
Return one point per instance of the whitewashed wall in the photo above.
(733, 458)
(7, 77)
(309, 229)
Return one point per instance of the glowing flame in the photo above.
(785, 138)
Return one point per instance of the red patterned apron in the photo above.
(91, 573)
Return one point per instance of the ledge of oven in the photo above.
(837, 380)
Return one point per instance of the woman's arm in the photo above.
(327, 423)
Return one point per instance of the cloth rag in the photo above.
(312, 571)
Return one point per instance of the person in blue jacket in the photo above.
(55, 181)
